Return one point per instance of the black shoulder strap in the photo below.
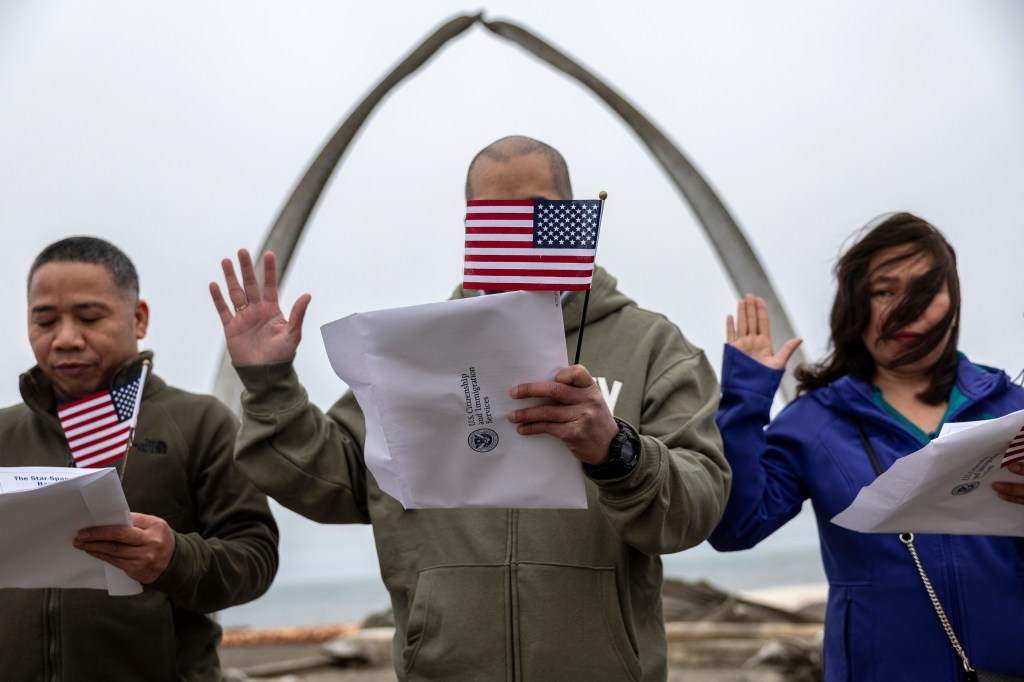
(867, 446)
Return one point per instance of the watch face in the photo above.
(628, 453)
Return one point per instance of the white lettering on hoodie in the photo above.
(611, 396)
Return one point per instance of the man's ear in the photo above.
(141, 319)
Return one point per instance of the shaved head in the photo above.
(517, 146)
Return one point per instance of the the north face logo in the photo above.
(155, 447)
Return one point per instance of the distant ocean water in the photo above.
(329, 574)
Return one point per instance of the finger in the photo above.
(249, 282)
(576, 375)
(220, 304)
(1016, 468)
(235, 293)
(109, 558)
(536, 428)
(730, 329)
(270, 277)
(1011, 492)
(787, 350)
(548, 414)
(764, 325)
(741, 318)
(750, 310)
(543, 389)
(111, 535)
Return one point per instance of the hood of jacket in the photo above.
(605, 299)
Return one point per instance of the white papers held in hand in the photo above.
(433, 382)
(946, 486)
(41, 511)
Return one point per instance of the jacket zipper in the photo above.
(52, 631)
(953, 608)
(510, 595)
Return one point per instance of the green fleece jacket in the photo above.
(521, 594)
(225, 554)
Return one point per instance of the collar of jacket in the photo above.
(37, 391)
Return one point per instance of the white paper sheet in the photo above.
(433, 382)
(41, 511)
(945, 487)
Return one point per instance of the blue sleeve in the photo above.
(767, 489)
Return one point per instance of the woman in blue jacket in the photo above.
(894, 369)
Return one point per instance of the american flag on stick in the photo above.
(1015, 451)
(518, 244)
(99, 428)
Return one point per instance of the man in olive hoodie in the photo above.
(201, 538)
(509, 594)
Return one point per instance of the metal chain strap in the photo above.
(908, 540)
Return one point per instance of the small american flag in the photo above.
(517, 244)
(1015, 451)
(99, 427)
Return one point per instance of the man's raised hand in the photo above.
(255, 330)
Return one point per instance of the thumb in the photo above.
(298, 314)
(787, 350)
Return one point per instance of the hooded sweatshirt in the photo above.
(225, 545)
(521, 594)
(880, 624)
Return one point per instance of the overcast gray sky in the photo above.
(176, 130)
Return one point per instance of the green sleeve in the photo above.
(310, 462)
(676, 494)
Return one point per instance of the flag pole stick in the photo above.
(135, 417)
(586, 298)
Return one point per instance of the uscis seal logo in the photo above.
(483, 440)
(966, 488)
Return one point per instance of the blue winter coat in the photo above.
(880, 624)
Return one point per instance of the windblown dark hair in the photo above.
(851, 310)
(91, 250)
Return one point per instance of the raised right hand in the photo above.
(751, 333)
(255, 331)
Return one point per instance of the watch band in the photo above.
(623, 454)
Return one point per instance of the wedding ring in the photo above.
(240, 308)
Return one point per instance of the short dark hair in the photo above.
(851, 310)
(91, 250)
(515, 146)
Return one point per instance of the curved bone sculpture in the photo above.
(741, 263)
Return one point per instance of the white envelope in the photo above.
(945, 487)
(433, 382)
(41, 511)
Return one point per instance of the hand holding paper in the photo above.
(434, 384)
(580, 417)
(41, 511)
(143, 549)
(948, 486)
(1009, 490)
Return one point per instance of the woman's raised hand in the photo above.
(750, 332)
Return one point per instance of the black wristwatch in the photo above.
(623, 454)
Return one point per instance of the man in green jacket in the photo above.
(509, 594)
(202, 537)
